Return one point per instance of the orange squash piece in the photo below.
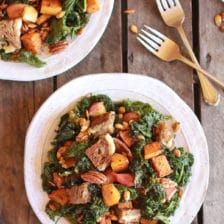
(119, 162)
(152, 149)
(111, 195)
(93, 6)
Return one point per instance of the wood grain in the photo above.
(176, 75)
(18, 103)
(212, 58)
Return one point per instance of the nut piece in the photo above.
(221, 28)
(94, 177)
(129, 11)
(177, 153)
(57, 47)
(134, 28)
(127, 195)
(121, 110)
(218, 20)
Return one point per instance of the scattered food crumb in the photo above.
(129, 11)
(134, 28)
(219, 21)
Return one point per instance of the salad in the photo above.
(31, 27)
(115, 162)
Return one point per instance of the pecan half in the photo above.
(94, 177)
(59, 46)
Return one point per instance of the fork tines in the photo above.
(166, 4)
(151, 39)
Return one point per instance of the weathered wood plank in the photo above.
(106, 56)
(176, 75)
(18, 102)
(212, 58)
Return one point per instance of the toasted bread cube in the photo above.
(152, 149)
(162, 166)
(93, 6)
(51, 7)
(32, 42)
(30, 14)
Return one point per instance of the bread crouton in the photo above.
(162, 166)
(152, 149)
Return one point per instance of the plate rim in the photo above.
(128, 75)
(100, 33)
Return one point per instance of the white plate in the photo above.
(77, 50)
(117, 86)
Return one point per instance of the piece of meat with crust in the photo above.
(102, 124)
(100, 153)
(170, 187)
(122, 148)
(127, 216)
(11, 31)
(79, 194)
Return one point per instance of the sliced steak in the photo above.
(122, 148)
(79, 194)
(102, 124)
(100, 153)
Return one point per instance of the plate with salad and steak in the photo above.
(104, 154)
(43, 38)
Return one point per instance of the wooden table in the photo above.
(118, 51)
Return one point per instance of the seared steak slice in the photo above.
(79, 194)
(122, 148)
(102, 124)
(100, 153)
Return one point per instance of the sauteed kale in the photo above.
(115, 162)
(31, 27)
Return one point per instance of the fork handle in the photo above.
(210, 94)
(191, 64)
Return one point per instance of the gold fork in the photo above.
(173, 15)
(167, 50)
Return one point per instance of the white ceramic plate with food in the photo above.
(77, 50)
(118, 87)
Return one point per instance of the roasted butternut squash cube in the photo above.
(162, 166)
(146, 221)
(119, 162)
(152, 149)
(51, 7)
(30, 14)
(32, 42)
(127, 138)
(111, 195)
(93, 6)
(15, 11)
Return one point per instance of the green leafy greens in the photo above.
(181, 166)
(139, 166)
(74, 19)
(23, 56)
